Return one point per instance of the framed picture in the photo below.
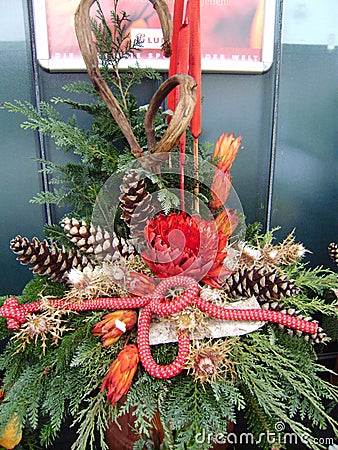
(236, 35)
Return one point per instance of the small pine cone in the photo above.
(48, 260)
(77, 231)
(333, 252)
(94, 240)
(143, 212)
(257, 282)
(133, 191)
(319, 337)
(106, 246)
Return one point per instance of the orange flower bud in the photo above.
(12, 434)
(225, 151)
(114, 325)
(220, 188)
(121, 373)
(227, 221)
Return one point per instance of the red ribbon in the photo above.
(16, 315)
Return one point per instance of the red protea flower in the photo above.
(121, 373)
(179, 244)
(225, 151)
(114, 325)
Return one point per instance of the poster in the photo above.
(236, 35)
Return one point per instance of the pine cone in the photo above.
(143, 212)
(50, 261)
(333, 252)
(133, 193)
(320, 335)
(101, 243)
(77, 231)
(107, 247)
(247, 282)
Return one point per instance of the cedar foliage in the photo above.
(277, 380)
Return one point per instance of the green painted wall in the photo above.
(19, 178)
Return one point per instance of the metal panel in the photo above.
(19, 172)
(305, 183)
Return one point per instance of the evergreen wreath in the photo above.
(78, 338)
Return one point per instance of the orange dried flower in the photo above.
(226, 221)
(114, 325)
(12, 434)
(121, 373)
(225, 151)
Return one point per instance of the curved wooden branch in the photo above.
(181, 117)
(161, 7)
(188, 92)
(89, 53)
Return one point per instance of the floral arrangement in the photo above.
(154, 302)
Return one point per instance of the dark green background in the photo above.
(303, 179)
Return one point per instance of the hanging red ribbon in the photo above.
(186, 58)
(196, 73)
(194, 12)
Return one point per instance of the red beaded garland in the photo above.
(164, 308)
(154, 369)
(16, 315)
(256, 314)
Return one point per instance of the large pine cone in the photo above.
(247, 282)
(48, 260)
(333, 252)
(141, 215)
(77, 231)
(319, 337)
(136, 204)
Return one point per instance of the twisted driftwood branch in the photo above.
(88, 50)
(164, 15)
(180, 119)
(188, 94)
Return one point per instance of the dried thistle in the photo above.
(103, 280)
(291, 251)
(191, 319)
(47, 326)
(217, 296)
(116, 272)
(209, 363)
(249, 255)
(83, 283)
(288, 252)
(272, 256)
